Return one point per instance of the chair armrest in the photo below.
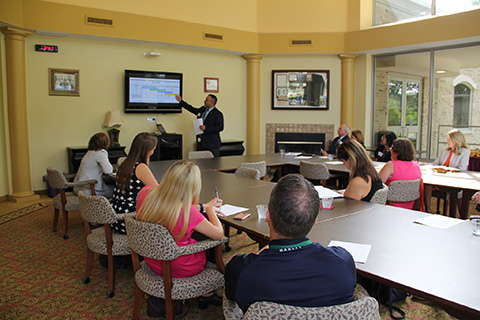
(231, 310)
(69, 176)
(200, 246)
(359, 292)
(121, 216)
(83, 183)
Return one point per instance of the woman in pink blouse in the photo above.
(172, 204)
(401, 167)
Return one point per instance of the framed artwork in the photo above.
(211, 84)
(63, 82)
(300, 89)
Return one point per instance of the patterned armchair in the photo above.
(403, 190)
(315, 171)
(65, 201)
(155, 241)
(97, 210)
(247, 173)
(363, 307)
(380, 196)
(205, 154)
(260, 166)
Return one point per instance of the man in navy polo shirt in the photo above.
(292, 270)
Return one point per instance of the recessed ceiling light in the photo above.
(441, 71)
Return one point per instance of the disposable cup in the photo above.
(262, 211)
(327, 202)
(476, 226)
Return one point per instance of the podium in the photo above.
(169, 147)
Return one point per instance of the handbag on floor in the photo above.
(387, 296)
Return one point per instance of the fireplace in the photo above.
(291, 142)
(308, 143)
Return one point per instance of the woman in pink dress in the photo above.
(401, 167)
(172, 204)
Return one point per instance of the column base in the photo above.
(21, 197)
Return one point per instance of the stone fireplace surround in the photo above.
(271, 128)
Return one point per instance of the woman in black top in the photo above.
(364, 179)
(382, 153)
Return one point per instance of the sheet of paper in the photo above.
(196, 125)
(293, 154)
(303, 157)
(228, 209)
(327, 193)
(437, 221)
(333, 162)
(358, 251)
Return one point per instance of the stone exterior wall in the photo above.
(328, 129)
(442, 113)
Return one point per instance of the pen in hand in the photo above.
(216, 195)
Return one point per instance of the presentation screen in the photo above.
(152, 91)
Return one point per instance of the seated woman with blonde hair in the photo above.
(357, 135)
(364, 179)
(401, 167)
(456, 155)
(172, 204)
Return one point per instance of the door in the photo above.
(404, 99)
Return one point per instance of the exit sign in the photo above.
(46, 48)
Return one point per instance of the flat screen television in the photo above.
(152, 91)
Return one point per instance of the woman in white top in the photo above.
(456, 155)
(94, 164)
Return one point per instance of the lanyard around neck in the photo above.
(296, 245)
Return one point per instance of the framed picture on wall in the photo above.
(63, 82)
(211, 84)
(300, 89)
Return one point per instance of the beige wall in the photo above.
(307, 62)
(56, 122)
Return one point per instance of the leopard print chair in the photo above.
(260, 166)
(315, 171)
(96, 210)
(403, 190)
(155, 241)
(63, 200)
(204, 154)
(363, 307)
(247, 173)
(380, 196)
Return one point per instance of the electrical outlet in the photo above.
(151, 119)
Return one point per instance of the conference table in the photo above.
(440, 265)
(467, 181)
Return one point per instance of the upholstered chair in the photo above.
(205, 154)
(315, 171)
(380, 196)
(96, 210)
(261, 166)
(363, 307)
(155, 241)
(247, 173)
(403, 190)
(65, 201)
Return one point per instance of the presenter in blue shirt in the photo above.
(292, 270)
(212, 122)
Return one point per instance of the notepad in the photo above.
(358, 251)
(438, 221)
(327, 193)
(228, 209)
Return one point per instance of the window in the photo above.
(461, 106)
(388, 11)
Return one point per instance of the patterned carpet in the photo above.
(40, 275)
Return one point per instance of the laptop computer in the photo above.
(161, 128)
